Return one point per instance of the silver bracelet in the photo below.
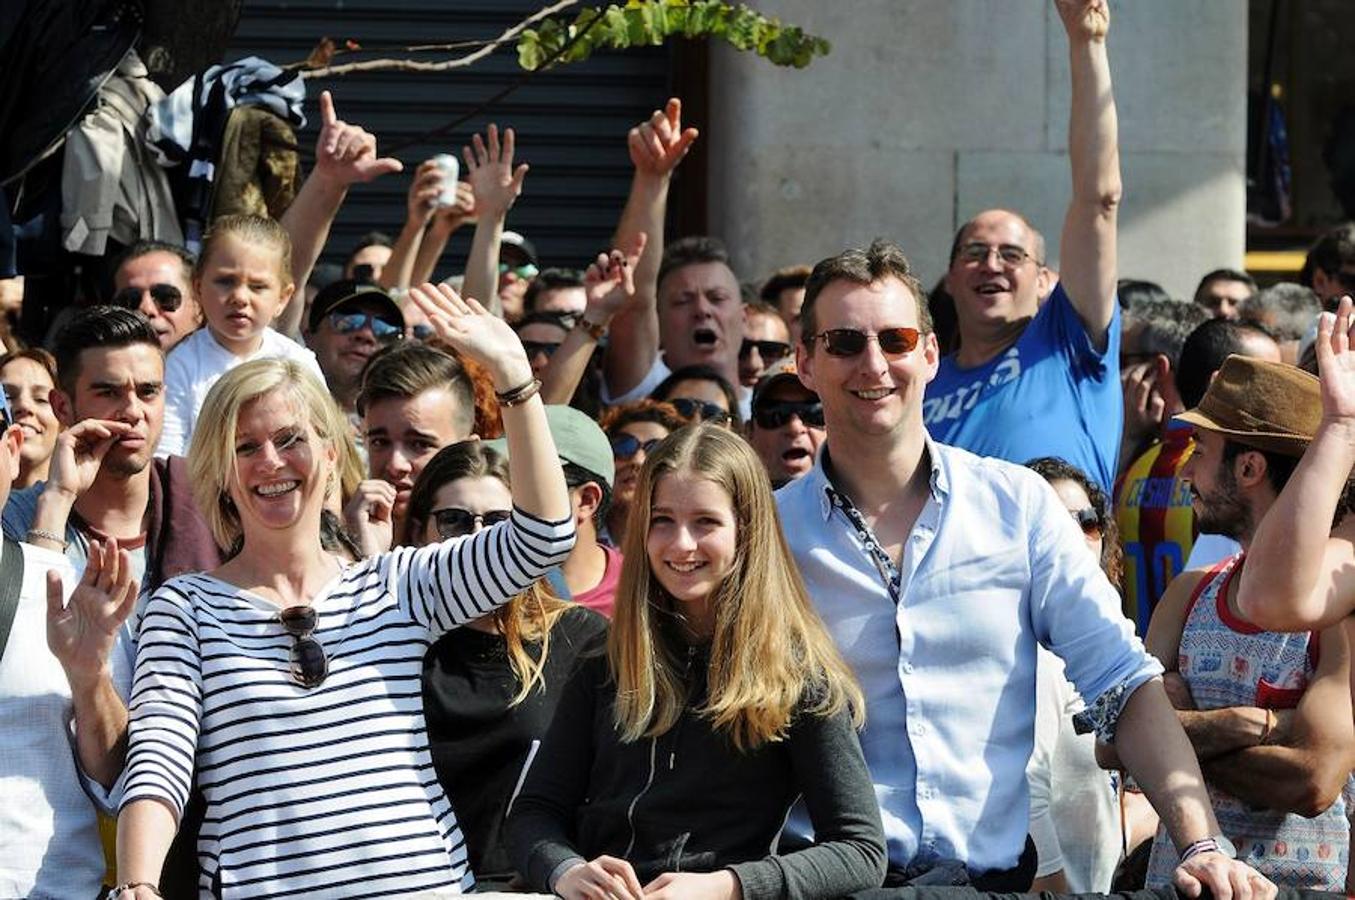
(44, 535)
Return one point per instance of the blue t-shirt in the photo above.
(1052, 393)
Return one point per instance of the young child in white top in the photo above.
(242, 280)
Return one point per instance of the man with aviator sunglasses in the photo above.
(349, 322)
(1033, 378)
(155, 278)
(786, 429)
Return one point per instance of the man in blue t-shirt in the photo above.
(1032, 379)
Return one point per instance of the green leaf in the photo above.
(639, 23)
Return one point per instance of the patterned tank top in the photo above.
(1229, 662)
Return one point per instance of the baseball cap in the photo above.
(524, 247)
(1266, 405)
(347, 291)
(779, 372)
(578, 440)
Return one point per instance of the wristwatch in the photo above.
(595, 331)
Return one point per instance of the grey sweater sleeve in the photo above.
(849, 850)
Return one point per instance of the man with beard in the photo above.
(1269, 713)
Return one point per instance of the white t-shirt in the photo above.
(195, 365)
(1066, 782)
(49, 836)
(1210, 549)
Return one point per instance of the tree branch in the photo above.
(413, 65)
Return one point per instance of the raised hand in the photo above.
(610, 282)
(658, 145)
(475, 333)
(81, 633)
(489, 169)
(450, 218)
(346, 154)
(1336, 362)
(422, 199)
(1086, 20)
(605, 878)
(80, 452)
(368, 515)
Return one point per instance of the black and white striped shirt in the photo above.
(328, 792)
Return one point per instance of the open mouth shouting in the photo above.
(705, 337)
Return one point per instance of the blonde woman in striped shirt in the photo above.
(288, 682)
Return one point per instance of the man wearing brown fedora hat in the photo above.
(1269, 714)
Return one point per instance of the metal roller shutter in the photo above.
(571, 121)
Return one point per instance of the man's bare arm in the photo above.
(1087, 253)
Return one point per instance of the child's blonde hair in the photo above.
(254, 229)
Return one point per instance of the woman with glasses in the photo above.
(634, 429)
(490, 688)
(1075, 816)
(287, 682)
(674, 761)
(701, 394)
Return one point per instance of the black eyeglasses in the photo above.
(309, 664)
(774, 415)
(1010, 254)
(703, 410)
(453, 521)
(535, 347)
(625, 446)
(768, 350)
(348, 323)
(1089, 520)
(166, 297)
(851, 341)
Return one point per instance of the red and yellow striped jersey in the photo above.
(1157, 524)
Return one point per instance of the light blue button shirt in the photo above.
(994, 565)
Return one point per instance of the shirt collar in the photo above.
(820, 483)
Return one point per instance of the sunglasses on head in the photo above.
(166, 297)
(453, 521)
(775, 414)
(352, 322)
(851, 341)
(1089, 520)
(768, 350)
(309, 665)
(625, 446)
(702, 410)
(535, 347)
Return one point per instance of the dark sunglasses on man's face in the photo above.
(166, 297)
(309, 665)
(768, 350)
(454, 521)
(1089, 520)
(350, 323)
(702, 410)
(535, 347)
(774, 415)
(625, 446)
(851, 341)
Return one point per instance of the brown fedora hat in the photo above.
(1266, 405)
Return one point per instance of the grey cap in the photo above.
(578, 440)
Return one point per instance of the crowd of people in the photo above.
(640, 581)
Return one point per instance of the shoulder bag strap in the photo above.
(11, 580)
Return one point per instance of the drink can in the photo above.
(451, 171)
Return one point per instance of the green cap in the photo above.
(578, 440)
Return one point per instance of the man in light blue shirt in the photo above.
(938, 573)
